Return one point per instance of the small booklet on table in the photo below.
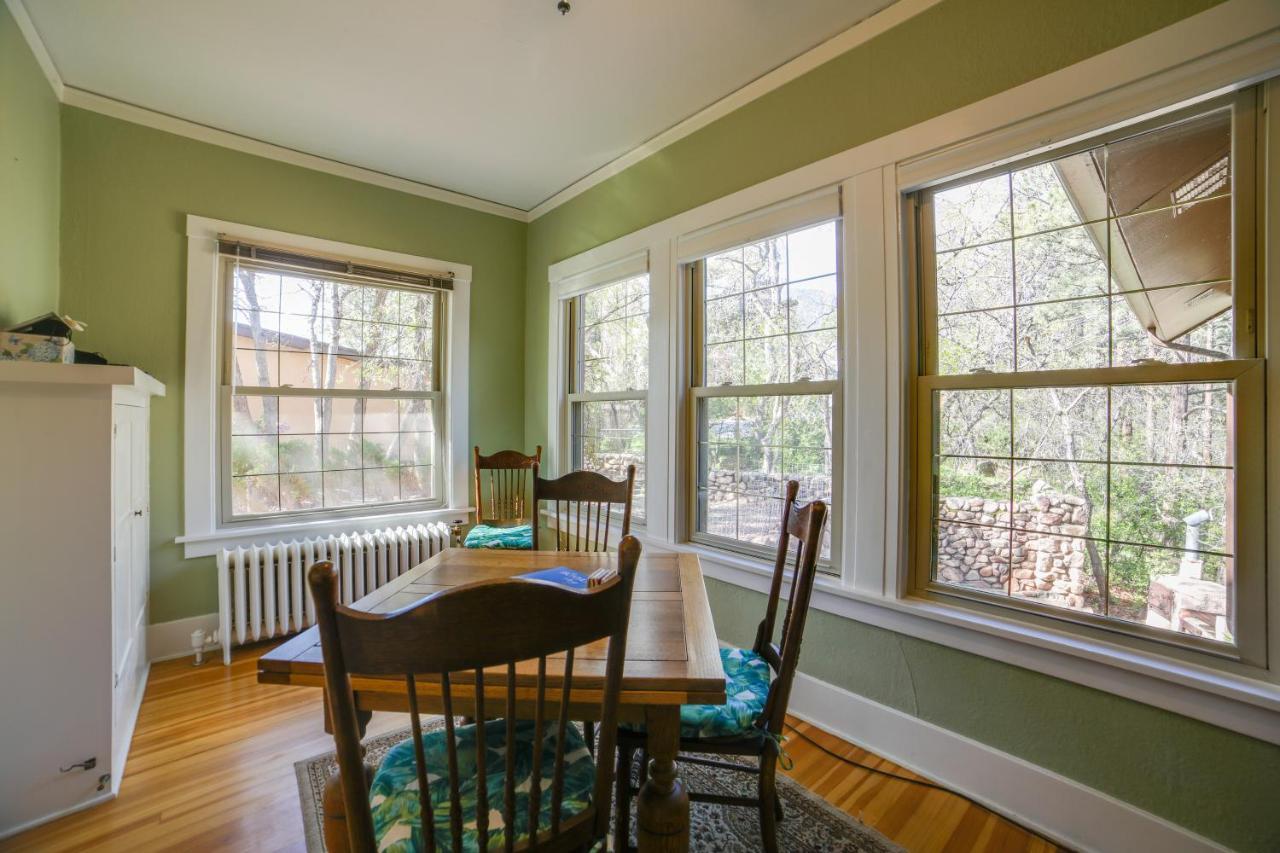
(568, 578)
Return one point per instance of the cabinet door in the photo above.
(122, 427)
(140, 497)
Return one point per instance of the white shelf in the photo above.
(80, 374)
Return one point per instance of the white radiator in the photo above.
(262, 589)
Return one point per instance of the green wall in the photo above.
(126, 192)
(29, 198)
(1213, 781)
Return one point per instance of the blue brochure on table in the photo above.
(561, 575)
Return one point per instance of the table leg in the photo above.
(663, 814)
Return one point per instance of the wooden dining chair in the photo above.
(503, 519)
(584, 503)
(509, 784)
(757, 685)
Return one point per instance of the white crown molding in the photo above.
(863, 31)
(84, 99)
(29, 32)
(94, 102)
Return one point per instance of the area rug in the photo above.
(810, 824)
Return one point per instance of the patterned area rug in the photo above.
(810, 824)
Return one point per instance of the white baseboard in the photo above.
(169, 640)
(1072, 814)
(11, 831)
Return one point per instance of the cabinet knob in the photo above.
(138, 512)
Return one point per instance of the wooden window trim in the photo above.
(1245, 372)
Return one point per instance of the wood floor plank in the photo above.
(211, 768)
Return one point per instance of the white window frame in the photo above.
(790, 215)
(570, 305)
(205, 531)
(1233, 47)
(1241, 370)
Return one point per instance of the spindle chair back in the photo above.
(469, 641)
(584, 503)
(507, 474)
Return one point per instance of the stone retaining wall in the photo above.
(754, 482)
(1044, 555)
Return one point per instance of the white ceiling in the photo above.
(504, 100)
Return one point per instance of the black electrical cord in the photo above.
(921, 782)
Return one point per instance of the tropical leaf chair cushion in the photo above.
(394, 794)
(517, 538)
(746, 687)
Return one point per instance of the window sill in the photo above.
(1237, 702)
(207, 544)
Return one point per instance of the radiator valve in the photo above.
(197, 645)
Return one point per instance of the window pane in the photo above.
(253, 495)
(255, 367)
(782, 328)
(815, 356)
(1179, 245)
(1181, 162)
(417, 482)
(341, 452)
(765, 360)
(724, 319)
(381, 485)
(724, 273)
(973, 490)
(1042, 202)
(1172, 424)
(764, 263)
(380, 449)
(614, 337)
(301, 491)
(300, 453)
(298, 331)
(1133, 342)
(1170, 506)
(973, 423)
(253, 415)
(972, 555)
(253, 454)
(969, 279)
(1063, 335)
(417, 416)
(1061, 498)
(342, 488)
(968, 343)
(813, 304)
(749, 447)
(256, 329)
(416, 448)
(609, 436)
(1062, 264)
(1120, 498)
(973, 213)
(1060, 423)
(809, 252)
(1057, 570)
(1180, 591)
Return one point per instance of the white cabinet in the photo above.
(74, 522)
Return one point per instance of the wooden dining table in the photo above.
(673, 659)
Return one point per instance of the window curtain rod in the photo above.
(334, 266)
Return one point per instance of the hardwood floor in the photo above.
(211, 768)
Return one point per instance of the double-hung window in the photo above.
(1089, 400)
(609, 381)
(765, 384)
(332, 396)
